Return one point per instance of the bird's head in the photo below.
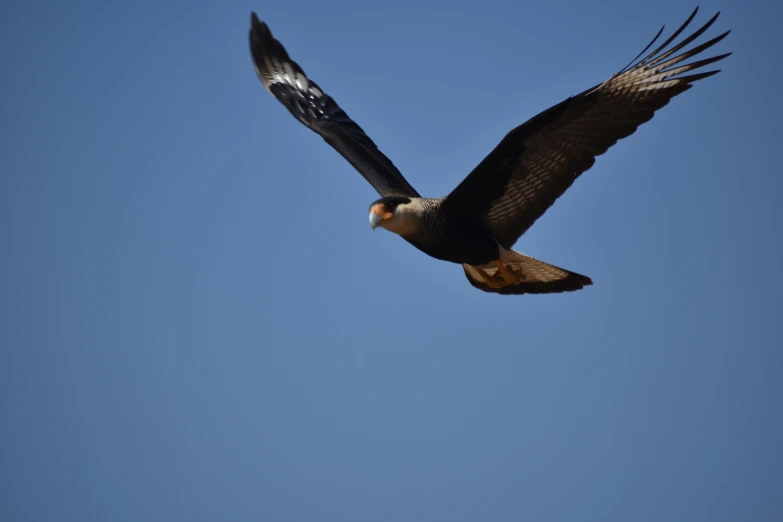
(395, 213)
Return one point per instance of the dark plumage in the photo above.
(480, 220)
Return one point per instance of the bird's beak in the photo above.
(374, 220)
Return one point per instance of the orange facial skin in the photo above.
(381, 211)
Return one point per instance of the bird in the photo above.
(478, 222)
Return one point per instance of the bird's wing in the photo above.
(288, 83)
(536, 162)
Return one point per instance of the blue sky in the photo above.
(197, 323)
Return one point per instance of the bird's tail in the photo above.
(530, 276)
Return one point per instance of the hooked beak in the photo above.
(374, 220)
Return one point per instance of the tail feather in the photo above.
(536, 277)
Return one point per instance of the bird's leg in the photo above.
(503, 277)
(510, 276)
(492, 282)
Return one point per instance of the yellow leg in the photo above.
(509, 276)
(492, 282)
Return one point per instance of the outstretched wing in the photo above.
(317, 110)
(537, 162)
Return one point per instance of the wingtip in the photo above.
(256, 24)
(714, 17)
(260, 34)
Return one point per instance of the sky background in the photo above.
(197, 322)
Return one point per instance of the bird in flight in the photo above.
(477, 224)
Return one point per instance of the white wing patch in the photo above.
(286, 74)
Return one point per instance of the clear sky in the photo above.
(197, 322)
